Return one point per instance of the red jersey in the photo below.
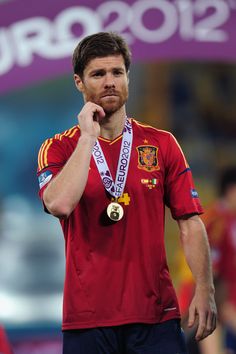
(116, 273)
(221, 228)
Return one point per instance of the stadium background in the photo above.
(183, 79)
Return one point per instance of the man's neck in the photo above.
(112, 126)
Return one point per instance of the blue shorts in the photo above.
(230, 340)
(161, 338)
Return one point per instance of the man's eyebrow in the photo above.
(120, 68)
(93, 71)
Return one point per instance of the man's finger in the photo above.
(210, 323)
(201, 327)
(192, 316)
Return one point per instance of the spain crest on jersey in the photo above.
(147, 158)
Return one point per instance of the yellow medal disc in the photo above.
(115, 211)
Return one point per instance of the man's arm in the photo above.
(65, 190)
(202, 310)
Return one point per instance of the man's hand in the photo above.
(89, 119)
(202, 312)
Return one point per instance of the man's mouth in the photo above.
(109, 94)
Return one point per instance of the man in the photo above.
(220, 221)
(108, 181)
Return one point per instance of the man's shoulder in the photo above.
(60, 146)
(69, 134)
(149, 129)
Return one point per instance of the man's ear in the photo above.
(79, 82)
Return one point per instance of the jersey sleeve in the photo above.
(51, 158)
(180, 193)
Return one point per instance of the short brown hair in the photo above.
(100, 44)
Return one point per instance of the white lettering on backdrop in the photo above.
(201, 21)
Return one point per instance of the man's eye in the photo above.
(97, 74)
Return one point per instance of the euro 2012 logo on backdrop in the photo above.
(147, 158)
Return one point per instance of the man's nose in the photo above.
(109, 81)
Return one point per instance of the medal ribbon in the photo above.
(115, 189)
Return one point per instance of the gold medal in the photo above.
(115, 211)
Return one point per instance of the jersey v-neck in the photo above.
(108, 141)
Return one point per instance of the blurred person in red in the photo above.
(5, 347)
(220, 221)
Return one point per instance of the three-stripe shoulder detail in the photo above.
(43, 152)
(68, 133)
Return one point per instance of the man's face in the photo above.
(105, 82)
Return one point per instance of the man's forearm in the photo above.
(196, 249)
